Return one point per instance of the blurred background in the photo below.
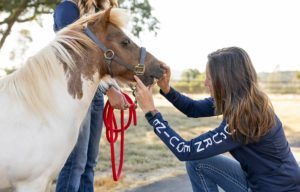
(182, 34)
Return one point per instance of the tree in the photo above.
(20, 11)
(190, 75)
(192, 81)
(141, 11)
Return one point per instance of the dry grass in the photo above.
(148, 160)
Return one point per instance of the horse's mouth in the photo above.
(155, 79)
(150, 77)
(156, 76)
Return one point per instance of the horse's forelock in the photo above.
(119, 17)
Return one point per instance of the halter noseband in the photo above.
(109, 55)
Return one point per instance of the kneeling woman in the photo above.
(250, 130)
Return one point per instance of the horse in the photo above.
(44, 102)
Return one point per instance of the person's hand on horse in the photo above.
(144, 96)
(116, 99)
(164, 81)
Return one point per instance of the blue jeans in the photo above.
(207, 174)
(77, 175)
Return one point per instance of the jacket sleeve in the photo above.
(106, 82)
(190, 107)
(65, 13)
(206, 145)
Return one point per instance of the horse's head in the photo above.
(119, 55)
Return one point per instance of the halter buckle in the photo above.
(139, 69)
(109, 54)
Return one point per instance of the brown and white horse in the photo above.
(44, 102)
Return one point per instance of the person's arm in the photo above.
(107, 82)
(190, 107)
(108, 86)
(206, 145)
(65, 13)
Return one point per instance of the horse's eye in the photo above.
(125, 42)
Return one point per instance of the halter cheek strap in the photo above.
(109, 55)
(91, 35)
(140, 68)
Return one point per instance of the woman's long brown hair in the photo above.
(244, 106)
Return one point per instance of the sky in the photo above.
(191, 29)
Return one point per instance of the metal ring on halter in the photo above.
(109, 54)
(139, 69)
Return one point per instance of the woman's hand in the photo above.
(164, 81)
(144, 96)
(116, 99)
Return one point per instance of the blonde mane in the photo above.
(30, 86)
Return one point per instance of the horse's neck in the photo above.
(70, 107)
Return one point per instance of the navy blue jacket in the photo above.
(269, 163)
(65, 13)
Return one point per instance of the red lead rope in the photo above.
(112, 131)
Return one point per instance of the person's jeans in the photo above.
(78, 171)
(207, 174)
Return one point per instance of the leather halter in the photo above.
(109, 56)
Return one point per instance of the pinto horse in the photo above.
(44, 102)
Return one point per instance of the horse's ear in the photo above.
(105, 18)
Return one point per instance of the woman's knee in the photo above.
(202, 164)
(194, 166)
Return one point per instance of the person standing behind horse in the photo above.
(78, 171)
(250, 130)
